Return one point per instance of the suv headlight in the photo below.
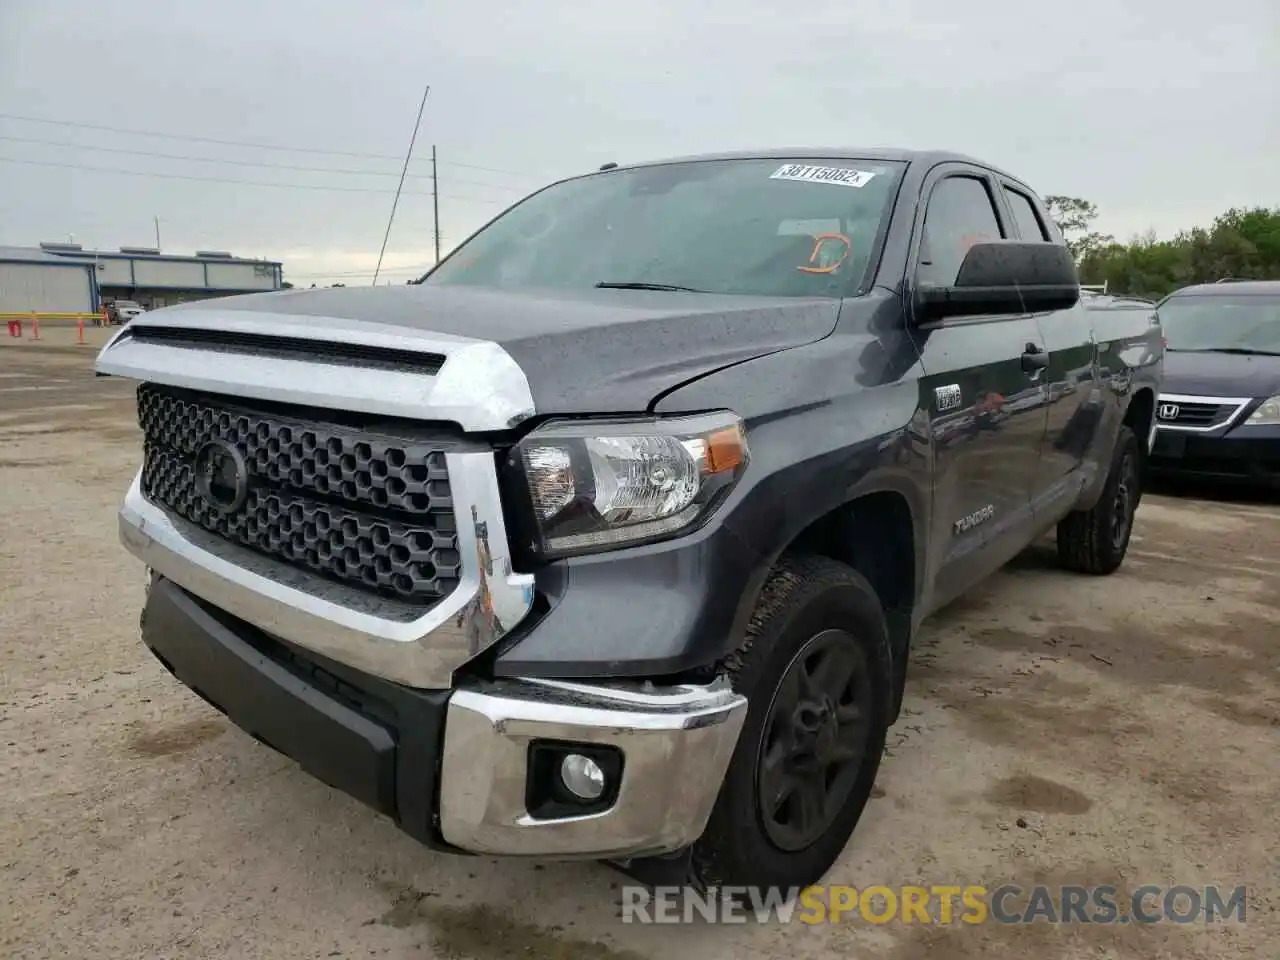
(600, 484)
(1268, 413)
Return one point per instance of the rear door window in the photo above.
(1025, 217)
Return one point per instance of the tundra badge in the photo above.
(965, 524)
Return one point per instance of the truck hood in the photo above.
(564, 352)
(1221, 374)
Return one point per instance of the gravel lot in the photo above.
(1058, 729)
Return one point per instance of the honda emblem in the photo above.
(1168, 411)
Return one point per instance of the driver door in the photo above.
(985, 401)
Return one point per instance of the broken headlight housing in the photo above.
(594, 485)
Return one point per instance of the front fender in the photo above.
(818, 440)
(828, 423)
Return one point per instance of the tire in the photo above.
(816, 614)
(1095, 541)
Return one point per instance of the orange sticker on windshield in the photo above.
(819, 259)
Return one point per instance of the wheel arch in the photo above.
(879, 531)
(1140, 417)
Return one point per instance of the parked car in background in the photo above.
(122, 311)
(1219, 411)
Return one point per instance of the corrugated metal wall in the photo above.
(114, 273)
(137, 273)
(168, 273)
(242, 276)
(51, 288)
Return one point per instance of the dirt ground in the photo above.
(1058, 729)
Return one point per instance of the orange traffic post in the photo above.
(106, 318)
(35, 325)
(80, 329)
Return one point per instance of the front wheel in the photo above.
(815, 668)
(1096, 540)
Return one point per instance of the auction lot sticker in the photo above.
(843, 176)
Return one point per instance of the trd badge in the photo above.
(948, 397)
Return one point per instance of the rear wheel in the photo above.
(815, 668)
(1095, 541)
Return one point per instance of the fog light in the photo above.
(582, 776)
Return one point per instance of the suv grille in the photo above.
(1194, 414)
(368, 511)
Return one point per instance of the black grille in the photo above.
(362, 509)
(1193, 414)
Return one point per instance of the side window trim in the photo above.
(1008, 187)
(1042, 208)
(930, 183)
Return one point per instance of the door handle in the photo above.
(1034, 359)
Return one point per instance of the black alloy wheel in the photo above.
(1122, 506)
(815, 740)
(1095, 540)
(816, 668)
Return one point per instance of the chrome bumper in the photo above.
(380, 637)
(676, 744)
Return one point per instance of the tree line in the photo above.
(1242, 244)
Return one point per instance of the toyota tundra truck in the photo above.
(608, 537)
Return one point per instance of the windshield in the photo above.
(1214, 322)
(762, 227)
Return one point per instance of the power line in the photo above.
(63, 222)
(246, 143)
(245, 163)
(245, 183)
(400, 187)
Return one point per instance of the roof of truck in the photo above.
(883, 154)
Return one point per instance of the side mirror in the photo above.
(1010, 277)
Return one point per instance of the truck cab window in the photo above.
(960, 214)
(1029, 224)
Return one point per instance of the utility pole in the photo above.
(435, 200)
(157, 220)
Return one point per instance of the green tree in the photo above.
(1241, 244)
(1074, 218)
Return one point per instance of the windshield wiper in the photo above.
(640, 285)
(1244, 351)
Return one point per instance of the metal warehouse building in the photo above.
(35, 280)
(39, 278)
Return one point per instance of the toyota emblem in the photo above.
(222, 476)
(1168, 411)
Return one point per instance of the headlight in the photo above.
(1268, 413)
(593, 485)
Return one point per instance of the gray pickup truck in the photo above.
(609, 537)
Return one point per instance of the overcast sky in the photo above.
(1162, 112)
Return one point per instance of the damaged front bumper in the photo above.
(672, 746)
(466, 769)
